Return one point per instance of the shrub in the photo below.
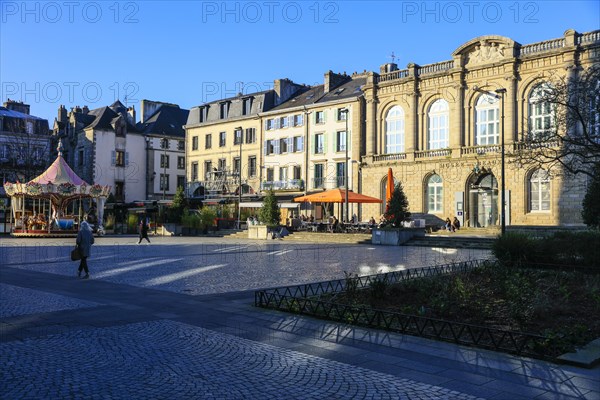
(562, 248)
(515, 249)
(207, 217)
(132, 223)
(591, 202)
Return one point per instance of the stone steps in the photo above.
(459, 242)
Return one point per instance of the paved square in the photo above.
(175, 319)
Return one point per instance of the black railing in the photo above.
(303, 299)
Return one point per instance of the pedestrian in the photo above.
(85, 240)
(455, 224)
(143, 230)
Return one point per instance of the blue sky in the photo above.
(189, 52)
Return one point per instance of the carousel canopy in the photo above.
(59, 172)
(59, 182)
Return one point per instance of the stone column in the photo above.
(100, 201)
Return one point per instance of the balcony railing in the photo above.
(433, 153)
(542, 46)
(480, 150)
(318, 183)
(389, 157)
(290, 184)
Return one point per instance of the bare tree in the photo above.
(568, 136)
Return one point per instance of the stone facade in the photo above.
(450, 117)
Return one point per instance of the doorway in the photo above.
(483, 201)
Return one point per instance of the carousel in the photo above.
(54, 203)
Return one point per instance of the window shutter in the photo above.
(76, 158)
(276, 123)
(265, 148)
(312, 148)
(127, 159)
(324, 115)
(114, 158)
(300, 143)
(276, 146)
(325, 143)
(291, 144)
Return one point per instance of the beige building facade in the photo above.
(223, 144)
(440, 128)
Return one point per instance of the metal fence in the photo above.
(304, 299)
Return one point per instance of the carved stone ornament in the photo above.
(486, 52)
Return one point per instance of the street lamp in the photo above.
(501, 92)
(239, 216)
(345, 112)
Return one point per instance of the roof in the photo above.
(5, 112)
(350, 89)
(104, 118)
(304, 97)
(59, 172)
(262, 101)
(167, 120)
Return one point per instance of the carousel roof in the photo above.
(59, 172)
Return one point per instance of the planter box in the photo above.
(258, 232)
(394, 237)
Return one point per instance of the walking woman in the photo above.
(85, 240)
(143, 231)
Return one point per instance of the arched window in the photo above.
(394, 130)
(435, 194)
(439, 125)
(487, 120)
(539, 191)
(541, 112)
(594, 120)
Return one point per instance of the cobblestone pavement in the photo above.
(174, 320)
(219, 266)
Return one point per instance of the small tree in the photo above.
(397, 209)
(176, 209)
(591, 202)
(270, 214)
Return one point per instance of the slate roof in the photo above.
(167, 120)
(262, 101)
(5, 112)
(305, 97)
(350, 89)
(104, 117)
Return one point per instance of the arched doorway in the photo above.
(483, 200)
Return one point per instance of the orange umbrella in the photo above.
(337, 196)
(389, 190)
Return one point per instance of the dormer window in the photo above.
(204, 113)
(224, 109)
(247, 106)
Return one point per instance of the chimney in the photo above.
(17, 106)
(389, 67)
(284, 89)
(333, 80)
(131, 115)
(85, 109)
(77, 109)
(62, 114)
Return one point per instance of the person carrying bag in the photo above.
(85, 240)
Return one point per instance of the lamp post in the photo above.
(345, 112)
(239, 216)
(501, 92)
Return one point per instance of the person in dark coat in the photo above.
(85, 240)
(143, 231)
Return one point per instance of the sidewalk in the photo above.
(67, 338)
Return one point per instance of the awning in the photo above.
(258, 204)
